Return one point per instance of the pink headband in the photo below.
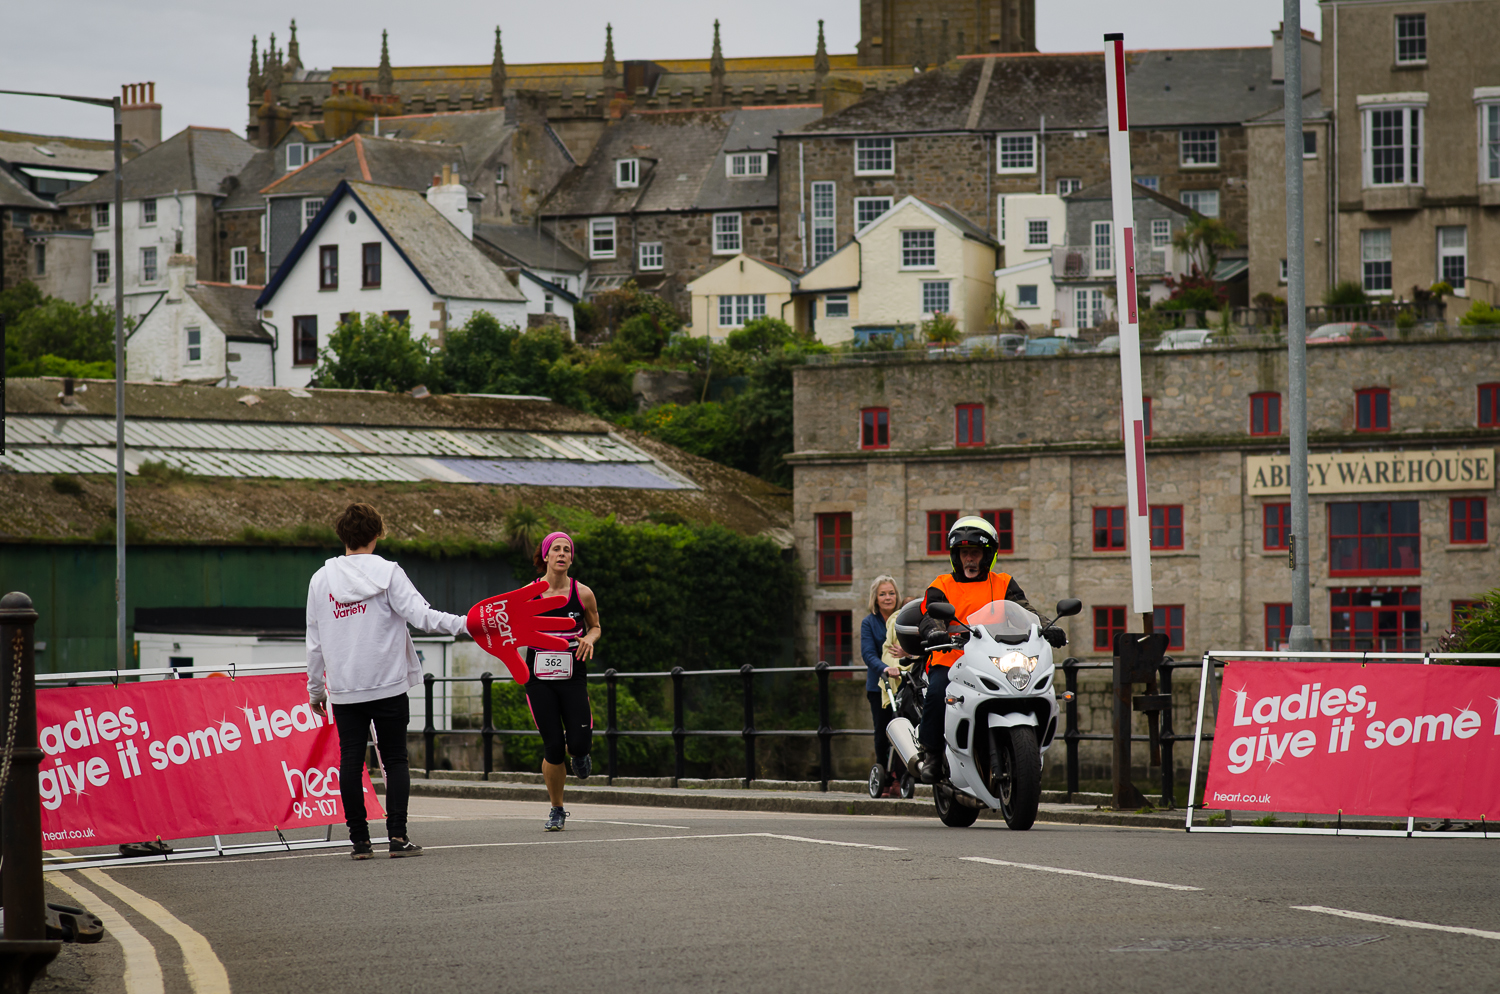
(547, 542)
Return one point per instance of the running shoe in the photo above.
(362, 850)
(404, 847)
(555, 820)
(583, 766)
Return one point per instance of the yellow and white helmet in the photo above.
(972, 531)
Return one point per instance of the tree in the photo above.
(1000, 314)
(1201, 239)
(1479, 631)
(1349, 293)
(376, 352)
(45, 336)
(940, 328)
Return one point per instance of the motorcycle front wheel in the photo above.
(1018, 774)
(950, 812)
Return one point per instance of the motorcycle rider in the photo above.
(972, 544)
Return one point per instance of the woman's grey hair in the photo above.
(875, 585)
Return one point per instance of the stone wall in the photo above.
(239, 229)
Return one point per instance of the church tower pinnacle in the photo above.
(497, 73)
(385, 80)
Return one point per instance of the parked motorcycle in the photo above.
(1001, 710)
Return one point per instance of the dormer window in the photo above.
(746, 165)
(627, 173)
(294, 155)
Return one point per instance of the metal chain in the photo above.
(15, 712)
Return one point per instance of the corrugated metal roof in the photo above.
(335, 452)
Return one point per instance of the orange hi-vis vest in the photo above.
(966, 598)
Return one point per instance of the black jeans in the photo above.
(390, 715)
(930, 734)
(880, 716)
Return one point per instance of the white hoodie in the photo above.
(357, 611)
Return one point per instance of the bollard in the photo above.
(679, 731)
(25, 951)
(429, 730)
(1070, 735)
(487, 722)
(825, 730)
(747, 673)
(611, 730)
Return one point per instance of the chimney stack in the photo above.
(450, 198)
(140, 114)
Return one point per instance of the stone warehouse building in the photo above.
(1403, 439)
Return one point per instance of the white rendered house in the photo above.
(197, 332)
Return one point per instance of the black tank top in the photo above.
(572, 609)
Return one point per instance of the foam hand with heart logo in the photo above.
(504, 624)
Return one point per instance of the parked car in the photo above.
(1344, 331)
(1050, 346)
(1109, 343)
(1185, 338)
(1000, 345)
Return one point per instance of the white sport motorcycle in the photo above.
(1000, 714)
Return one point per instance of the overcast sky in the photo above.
(198, 53)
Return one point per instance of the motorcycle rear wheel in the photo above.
(950, 812)
(1018, 774)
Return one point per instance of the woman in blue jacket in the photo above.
(885, 598)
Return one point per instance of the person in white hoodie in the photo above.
(362, 660)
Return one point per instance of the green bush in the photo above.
(1349, 293)
(709, 430)
(761, 337)
(45, 336)
(1480, 313)
(377, 352)
(1480, 630)
(940, 329)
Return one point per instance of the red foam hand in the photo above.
(504, 624)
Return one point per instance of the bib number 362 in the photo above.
(552, 665)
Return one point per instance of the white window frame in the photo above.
(907, 250)
(239, 266)
(824, 218)
(627, 174)
(861, 205)
(729, 234)
(109, 270)
(600, 229)
(1152, 183)
(150, 270)
(1022, 153)
(101, 216)
(1093, 301)
(1417, 18)
(310, 208)
(1369, 253)
(1199, 137)
(1487, 100)
(1101, 247)
(1161, 233)
(1032, 241)
(874, 150)
(947, 291)
(1020, 303)
(296, 156)
(1413, 172)
(652, 257)
(148, 216)
(746, 165)
(1199, 199)
(1068, 184)
(187, 338)
(313, 151)
(738, 309)
(831, 300)
(1460, 252)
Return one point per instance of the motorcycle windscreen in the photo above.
(1003, 618)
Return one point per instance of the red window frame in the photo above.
(1167, 620)
(835, 534)
(1468, 520)
(1109, 621)
(968, 425)
(1109, 525)
(1372, 409)
(938, 523)
(1265, 413)
(1354, 553)
(1276, 526)
(1004, 524)
(875, 428)
(1375, 619)
(1460, 611)
(1489, 405)
(1278, 626)
(1166, 526)
(836, 638)
(304, 340)
(328, 267)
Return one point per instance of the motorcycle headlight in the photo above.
(1017, 667)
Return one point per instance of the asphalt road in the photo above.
(641, 899)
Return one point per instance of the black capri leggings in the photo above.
(561, 711)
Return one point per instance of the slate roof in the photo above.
(447, 262)
(93, 154)
(1312, 110)
(387, 161)
(1103, 191)
(244, 193)
(13, 194)
(1200, 86)
(195, 160)
(677, 150)
(752, 130)
(231, 309)
(530, 247)
(481, 133)
(969, 228)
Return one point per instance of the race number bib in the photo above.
(552, 665)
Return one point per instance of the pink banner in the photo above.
(177, 759)
(1386, 739)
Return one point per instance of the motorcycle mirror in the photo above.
(944, 611)
(1069, 606)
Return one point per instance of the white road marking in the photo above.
(628, 824)
(827, 842)
(1080, 873)
(142, 968)
(205, 973)
(1403, 922)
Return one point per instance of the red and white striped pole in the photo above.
(1138, 521)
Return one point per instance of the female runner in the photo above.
(557, 692)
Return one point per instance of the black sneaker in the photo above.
(362, 850)
(583, 766)
(404, 847)
(555, 820)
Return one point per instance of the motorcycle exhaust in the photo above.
(904, 738)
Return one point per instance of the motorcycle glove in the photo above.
(1055, 637)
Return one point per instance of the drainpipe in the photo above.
(275, 343)
(801, 207)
